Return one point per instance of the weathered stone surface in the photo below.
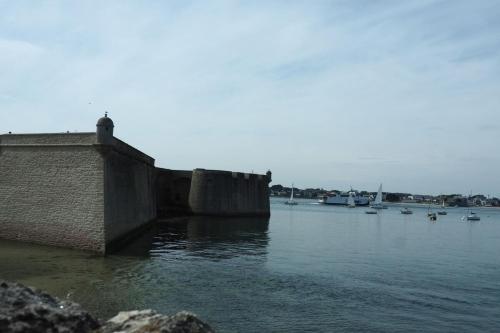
(150, 321)
(65, 190)
(226, 193)
(28, 310)
(52, 194)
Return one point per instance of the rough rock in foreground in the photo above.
(24, 309)
(150, 321)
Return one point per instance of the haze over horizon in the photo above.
(326, 94)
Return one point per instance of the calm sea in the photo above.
(309, 268)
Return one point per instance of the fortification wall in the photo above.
(172, 192)
(52, 193)
(129, 187)
(84, 190)
(128, 150)
(87, 138)
(215, 192)
(68, 190)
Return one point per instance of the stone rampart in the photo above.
(89, 190)
(52, 193)
(172, 192)
(215, 192)
(86, 138)
(129, 187)
(66, 189)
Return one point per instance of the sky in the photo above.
(328, 94)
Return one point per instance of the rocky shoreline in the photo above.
(24, 309)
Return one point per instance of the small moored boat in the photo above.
(473, 217)
(291, 201)
(406, 211)
(377, 204)
(442, 211)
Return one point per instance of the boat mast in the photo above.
(378, 198)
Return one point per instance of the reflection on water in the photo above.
(211, 237)
(131, 278)
(70, 274)
(308, 268)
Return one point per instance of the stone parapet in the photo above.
(49, 139)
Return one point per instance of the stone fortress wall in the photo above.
(129, 190)
(89, 190)
(52, 190)
(215, 192)
(77, 190)
(212, 192)
(172, 192)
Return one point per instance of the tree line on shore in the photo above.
(448, 199)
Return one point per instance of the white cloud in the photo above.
(306, 89)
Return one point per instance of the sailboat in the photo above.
(350, 201)
(291, 201)
(471, 216)
(430, 214)
(377, 204)
(442, 211)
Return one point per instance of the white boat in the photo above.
(473, 217)
(350, 201)
(406, 211)
(291, 201)
(341, 199)
(377, 203)
(430, 214)
(442, 211)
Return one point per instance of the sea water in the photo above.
(309, 268)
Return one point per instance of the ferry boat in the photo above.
(342, 199)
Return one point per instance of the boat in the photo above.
(431, 215)
(350, 201)
(371, 211)
(442, 211)
(377, 203)
(473, 217)
(341, 199)
(291, 201)
(406, 211)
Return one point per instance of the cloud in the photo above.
(302, 88)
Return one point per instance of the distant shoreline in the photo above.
(393, 204)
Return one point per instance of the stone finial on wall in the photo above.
(105, 130)
(269, 176)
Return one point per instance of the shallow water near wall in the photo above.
(308, 268)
